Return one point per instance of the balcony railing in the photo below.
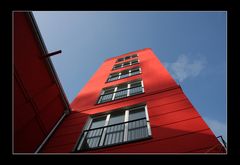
(121, 94)
(106, 98)
(114, 134)
(222, 141)
(136, 90)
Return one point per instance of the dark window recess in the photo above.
(120, 59)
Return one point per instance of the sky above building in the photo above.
(191, 45)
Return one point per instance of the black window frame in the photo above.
(123, 64)
(115, 92)
(129, 73)
(126, 58)
(123, 129)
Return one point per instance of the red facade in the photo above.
(175, 124)
(40, 103)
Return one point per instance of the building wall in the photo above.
(154, 75)
(175, 124)
(38, 104)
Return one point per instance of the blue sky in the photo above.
(192, 46)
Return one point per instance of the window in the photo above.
(134, 62)
(121, 91)
(117, 66)
(117, 127)
(124, 74)
(125, 64)
(113, 76)
(120, 60)
(135, 71)
(126, 58)
(135, 55)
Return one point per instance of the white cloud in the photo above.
(219, 128)
(184, 68)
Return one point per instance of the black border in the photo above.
(233, 97)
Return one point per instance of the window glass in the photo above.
(134, 62)
(115, 131)
(126, 63)
(117, 66)
(102, 133)
(127, 57)
(114, 74)
(121, 91)
(124, 74)
(135, 71)
(136, 90)
(108, 90)
(106, 98)
(117, 117)
(113, 78)
(135, 84)
(120, 59)
(137, 113)
(135, 55)
(121, 94)
(98, 122)
(122, 87)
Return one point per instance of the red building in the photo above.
(39, 101)
(130, 105)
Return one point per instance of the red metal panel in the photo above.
(152, 70)
(167, 108)
(179, 128)
(212, 149)
(176, 125)
(52, 113)
(173, 117)
(27, 56)
(75, 121)
(28, 139)
(37, 101)
(52, 92)
(59, 149)
(179, 144)
(67, 133)
(19, 98)
(74, 129)
(22, 116)
(66, 139)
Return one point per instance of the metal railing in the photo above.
(120, 94)
(114, 134)
(218, 147)
(222, 141)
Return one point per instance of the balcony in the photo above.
(115, 134)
